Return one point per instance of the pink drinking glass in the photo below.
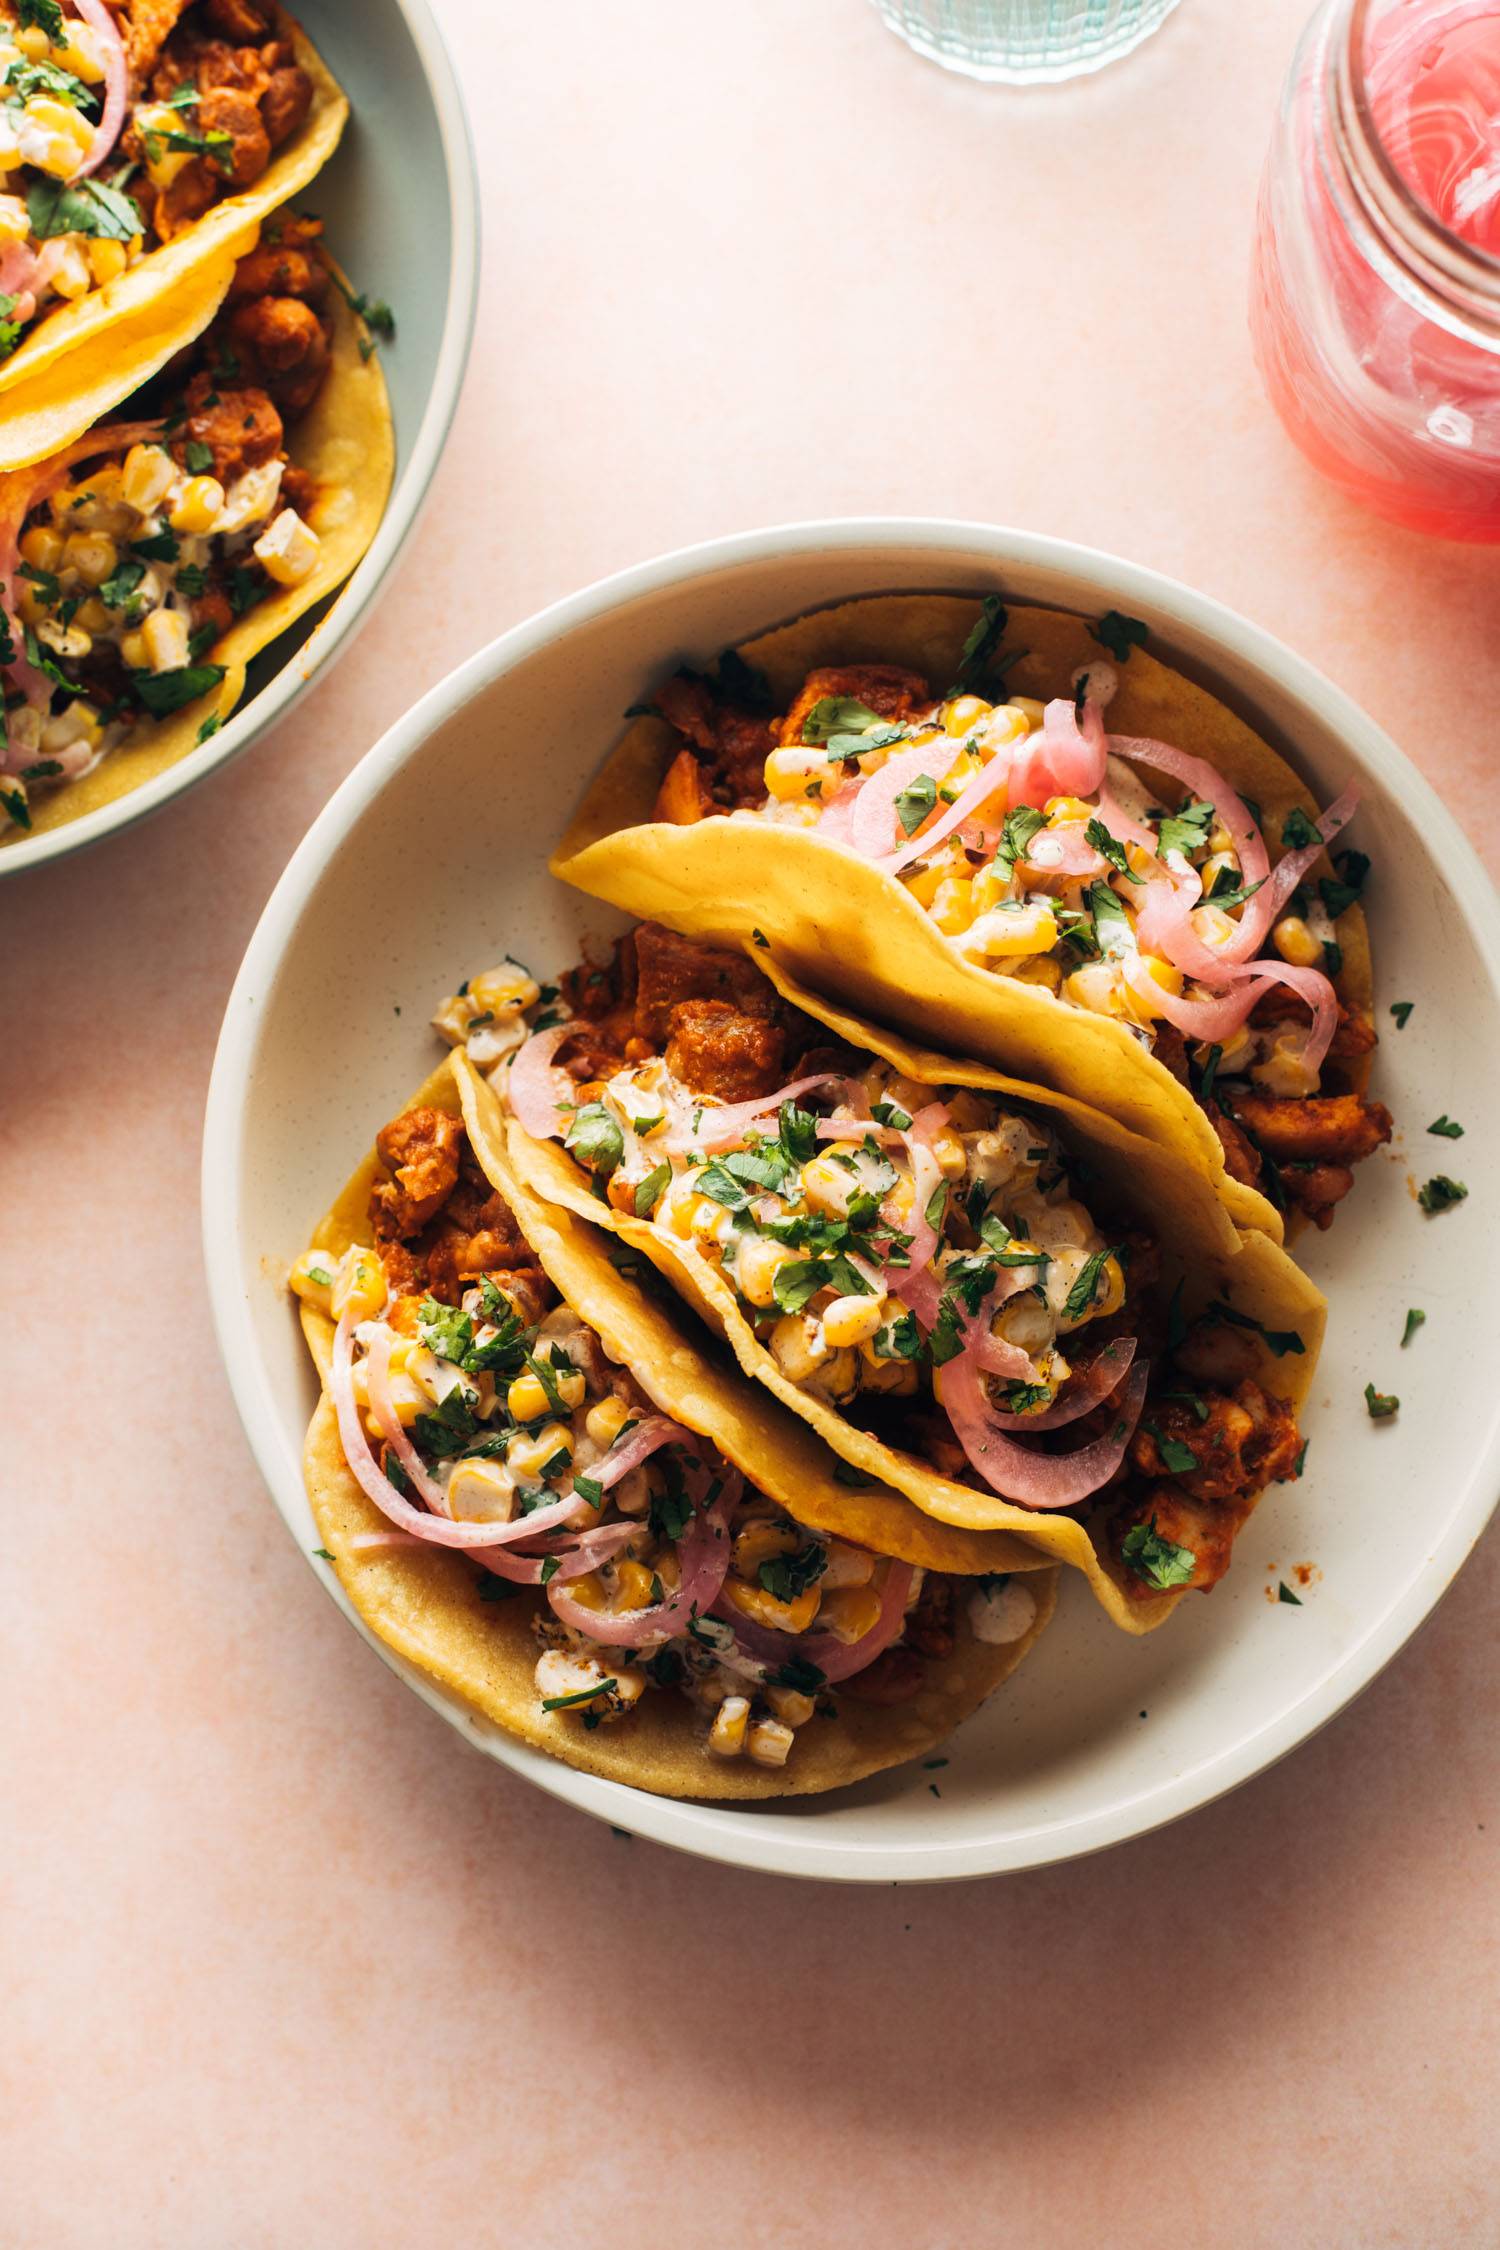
(1375, 292)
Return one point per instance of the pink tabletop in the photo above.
(288, 1963)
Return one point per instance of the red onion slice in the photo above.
(1067, 852)
(1063, 759)
(1207, 784)
(1082, 1392)
(1033, 1480)
(116, 84)
(587, 1552)
(721, 1128)
(702, 1561)
(532, 1086)
(835, 1659)
(872, 831)
(1217, 1020)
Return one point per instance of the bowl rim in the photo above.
(356, 598)
(715, 1831)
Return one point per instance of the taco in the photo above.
(917, 800)
(145, 565)
(143, 143)
(1000, 1302)
(535, 1487)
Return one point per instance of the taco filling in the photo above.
(127, 558)
(918, 1257)
(121, 125)
(1045, 849)
(482, 1416)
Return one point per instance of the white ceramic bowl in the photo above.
(400, 199)
(429, 862)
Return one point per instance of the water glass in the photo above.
(1024, 42)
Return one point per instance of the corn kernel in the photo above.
(482, 1492)
(788, 772)
(953, 904)
(633, 1583)
(165, 633)
(15, 222)
(726, 1737)
(526, 1398)
(756, 1265)
(287, 550)
(794, 1708)
(33, 42)
(762, 1608)
(359, 1287)
(948, 1148)
(851, 1320)
(1219, 838)
(42, 547)
(588, 1591)
(78, 723)
(761, 1543)
(605, 1421)
(1068, 812)
(768, 1742)
(1031, 711)
(828, 1185)
(197, 506)
(134, 652)
(107, 260)
(1006, 934)
(846, 1566)
(543, 1455)
(94, 617)
(70, 276)
(93, 554)
(797, 1346)
(1139, 1006)
(1295, 943)
(147, 477)
(64, 640)
(562, 1672)
(503, 991)
(79, 52)
(1096, 985)
(311, 1279)
(849, 1612)
(964, 714)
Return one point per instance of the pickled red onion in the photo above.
(872, 829)
(383, 1407)
(702, 1561)
(1099, 1380)
(1067, 852)
(1063, 759)
(531, 1088)
(1211, 788)
(1218, 1019)
(587, 1552)
(835, 1659)
(1033, 1480)
(116, 84)
(720, 1128)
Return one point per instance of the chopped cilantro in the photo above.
(1209, 1073)
(1226, 892)
(43, 15)
(1156, 1559)
(1109, 847)
(199, 457)
(981, 643)
(162, 692)
(162, 546)
(784, 1577)
(1176, 1458)
(900, 1338)
(838, 714)
(1111, 927)
(797, 1131)
(445, 1330)
(1401, 1009)
(886, 1113)
(1298, 832)
(580, 1695)
(1440, 1193)
(322, 1554)
(915, 803)
(1380, 1405)
(1414, 1320)
(1016, 834)
(595, 1139)
(1284, 1594)
(1279, 1341)
(549, 1570)
(10, 329)
(798, 1675)
(1119, 634)
(1446, 1128)
(448, 1428)
(209, 728)
(1186, 829)
(55, 207)
(649, 1190)
(1086, 1288)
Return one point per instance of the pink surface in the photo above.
(284, 1961)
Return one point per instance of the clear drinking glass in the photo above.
(1024, 42)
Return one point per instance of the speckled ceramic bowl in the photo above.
(401, 203)
(1100, 1736)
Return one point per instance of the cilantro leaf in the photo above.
(1278, 1341)
(797, 1132)
(199, 457)
(1401, 1010)
(1284, 1594)
(1186, 829)
(1176, 1458)
(1109, 847)
(43, 15)
(838, 714)
(1086, 1288)
(1414, 1320)
(915, 803)
(1446, 1128)
(650, 1189)
(1016, 833)
(579, 1695)
(445, 1330)
(1119, 634)
(798, 1675)
(1155, 1558)
(784, 1577)
(89, 207)
(163, 692)
(1380, 1405)
(594, 1137)
(981, 643)
(1440, 1193)
(447, 1429)
(1297, 831)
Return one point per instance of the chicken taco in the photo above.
(1000, 1302)
(538, 1489)
(1020, 835)
(143, 143)
(143, 566)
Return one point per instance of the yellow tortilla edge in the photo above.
(83, 359)
(1175, 1199)
(424, 1605)
(856, 933)
(347, 441)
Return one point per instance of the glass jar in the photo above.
(1024, 42)
(1375, 294)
